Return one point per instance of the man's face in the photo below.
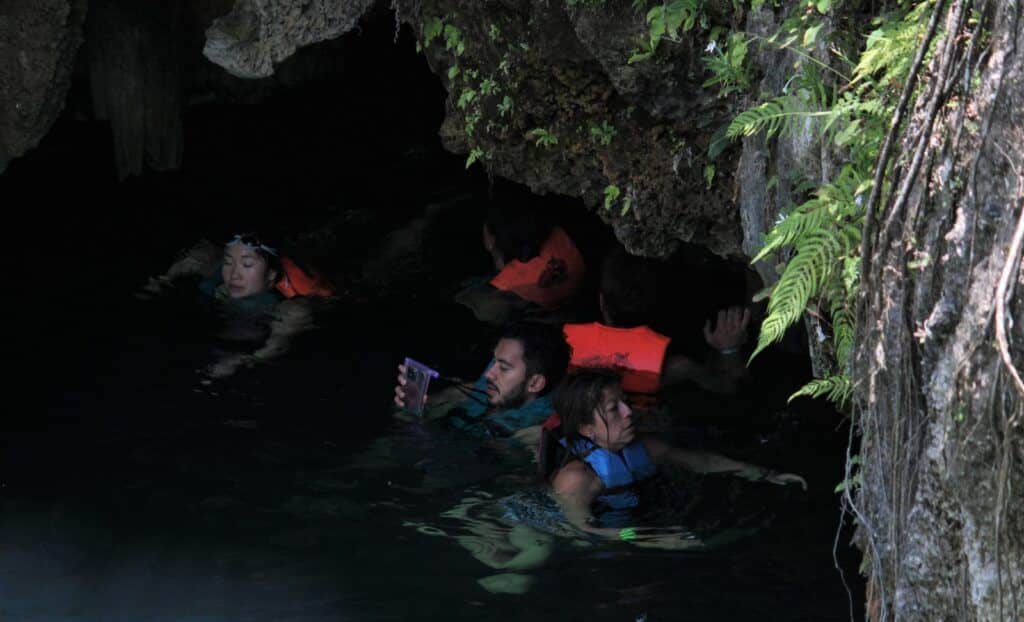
(506, 377)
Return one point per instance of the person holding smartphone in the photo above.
(513, 392)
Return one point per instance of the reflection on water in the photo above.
(289, 493)
(224, 521)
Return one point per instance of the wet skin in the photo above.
(508, 385)
(245, 272)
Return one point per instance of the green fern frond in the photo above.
(838, 388)
(774, 115)
(890, 49)
(824, 232)
(804, 277)
(842, 332)
(802, 220)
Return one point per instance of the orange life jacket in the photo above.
(297, 282)
(637, 354)
(549, 278)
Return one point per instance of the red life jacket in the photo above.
(549, 278)
(637, 354)
(297, 282)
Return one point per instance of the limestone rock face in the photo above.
(136, 58)
(938, 353)
(258, 34)
(38, 43)
(542, 93)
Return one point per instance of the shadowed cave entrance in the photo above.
(131, 490)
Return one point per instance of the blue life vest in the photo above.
(619, 471)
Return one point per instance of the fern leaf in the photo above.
(803, 219)
(804, 277)
(838, 388)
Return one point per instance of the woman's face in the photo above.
(245, 271)
(612, 427)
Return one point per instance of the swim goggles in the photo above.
(250, 242)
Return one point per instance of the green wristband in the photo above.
(627, 534)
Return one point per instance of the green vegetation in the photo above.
(666, 21)
(846, 99)
(543, 137)
(612, 194)
(603, 134)
(818, 241)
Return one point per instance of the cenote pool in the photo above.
(130, 490)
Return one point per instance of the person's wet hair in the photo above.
(519, 230)
(628, 286)
(259, 244)
(578, 395)
(545, 350)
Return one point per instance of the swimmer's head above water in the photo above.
(513, 231)
(250, 266)
(529, 360)
(590, 405)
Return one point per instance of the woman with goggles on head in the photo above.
(255, 284)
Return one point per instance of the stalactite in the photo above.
(135, 61)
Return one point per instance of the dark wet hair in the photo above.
(628, 287)
(578, 395)
(259, 244)
(519, 231)
(545, 350)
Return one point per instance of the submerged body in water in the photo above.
(262, 296)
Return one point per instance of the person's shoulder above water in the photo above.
(528, 362)
(252, 278)
(594, 420)
(539, 269)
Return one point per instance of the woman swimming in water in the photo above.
(254, 283)
(603, 457)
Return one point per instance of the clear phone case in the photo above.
(417, 379)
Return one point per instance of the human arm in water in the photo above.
(200, 260)
(576, 487)
(722, 373)
(710, 462)
(293, 318)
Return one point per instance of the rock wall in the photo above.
(38, 43)
(560, 67)
(938, 353)
(258, 34)
(556, 105)
(563, 68)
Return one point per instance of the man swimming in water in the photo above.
(644, 359)
(539, 270)
(514, 390)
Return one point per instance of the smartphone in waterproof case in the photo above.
(417, 379)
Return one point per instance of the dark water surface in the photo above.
(131, 491)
